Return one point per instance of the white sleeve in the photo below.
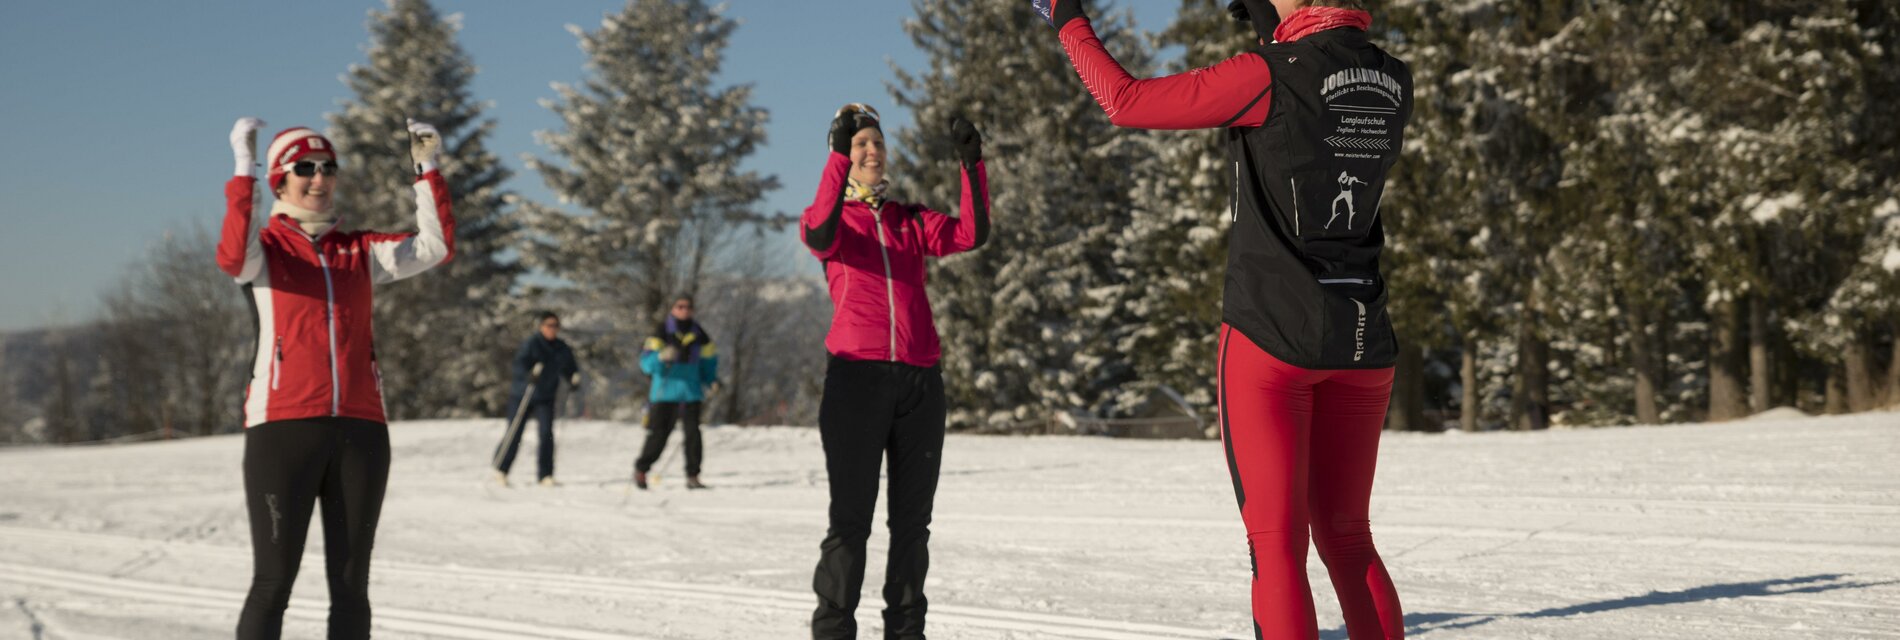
(398, 256)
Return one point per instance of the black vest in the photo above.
(1303, 277)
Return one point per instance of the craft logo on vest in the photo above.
(1359, 333)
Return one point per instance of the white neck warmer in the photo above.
(314, 223)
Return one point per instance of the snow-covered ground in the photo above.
(1766, 529)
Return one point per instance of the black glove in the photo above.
(969, 142)
(843, 128)
(1259, 13)
(1058, 12)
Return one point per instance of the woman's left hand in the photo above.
(969, 142)
(423, 145)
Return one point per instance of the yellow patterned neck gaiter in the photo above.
(872, 195)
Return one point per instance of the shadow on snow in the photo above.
(1419, 623)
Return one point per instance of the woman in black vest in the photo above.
(1315, 118)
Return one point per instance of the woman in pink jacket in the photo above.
(883, 389)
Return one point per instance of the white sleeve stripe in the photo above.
(253, 248)
(257, 402)
(395, 260)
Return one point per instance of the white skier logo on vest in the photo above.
(1346, 181)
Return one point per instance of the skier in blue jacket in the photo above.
(684, 365)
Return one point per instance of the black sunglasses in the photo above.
(306, 168)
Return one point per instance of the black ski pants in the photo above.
(291, 466)
(660, 419)
(871, 410)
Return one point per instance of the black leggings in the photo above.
(289, 467)
(869, 410)
(543, 415)
(660, 418)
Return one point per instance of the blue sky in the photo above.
(114, 115)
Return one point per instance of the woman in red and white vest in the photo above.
(315, 428)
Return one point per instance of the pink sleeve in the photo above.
(944, 235)
(823, 221)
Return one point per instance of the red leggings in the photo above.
(1301, 444)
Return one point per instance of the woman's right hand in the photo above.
(244, 143)
(843, 128)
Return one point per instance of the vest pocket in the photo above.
(1355, 324)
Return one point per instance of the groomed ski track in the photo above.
(1768, 529)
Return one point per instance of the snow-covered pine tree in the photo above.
(1865, 304)
(1776, 98)
(650, 155)
(1621, 264)
(1173, 251)
(443, 339)
(1475, 195)
(1434, 261)
(1027, 320)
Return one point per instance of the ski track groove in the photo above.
(1424, 530)
(1701, 542)
(387, 618)
(947, 614)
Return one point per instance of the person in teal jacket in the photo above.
(684, 365)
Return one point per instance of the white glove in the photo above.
(669, 355)
(244, 144)
(423, 144)
(536, 371)
(574, 381)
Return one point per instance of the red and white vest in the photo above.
(316, 353)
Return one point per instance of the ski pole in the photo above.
(521, 412)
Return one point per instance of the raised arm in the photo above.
(1233, 93)
(400, 255)
(240, 249)
(825, 217)
(970, 229)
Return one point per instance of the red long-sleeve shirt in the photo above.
(1231, 93)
